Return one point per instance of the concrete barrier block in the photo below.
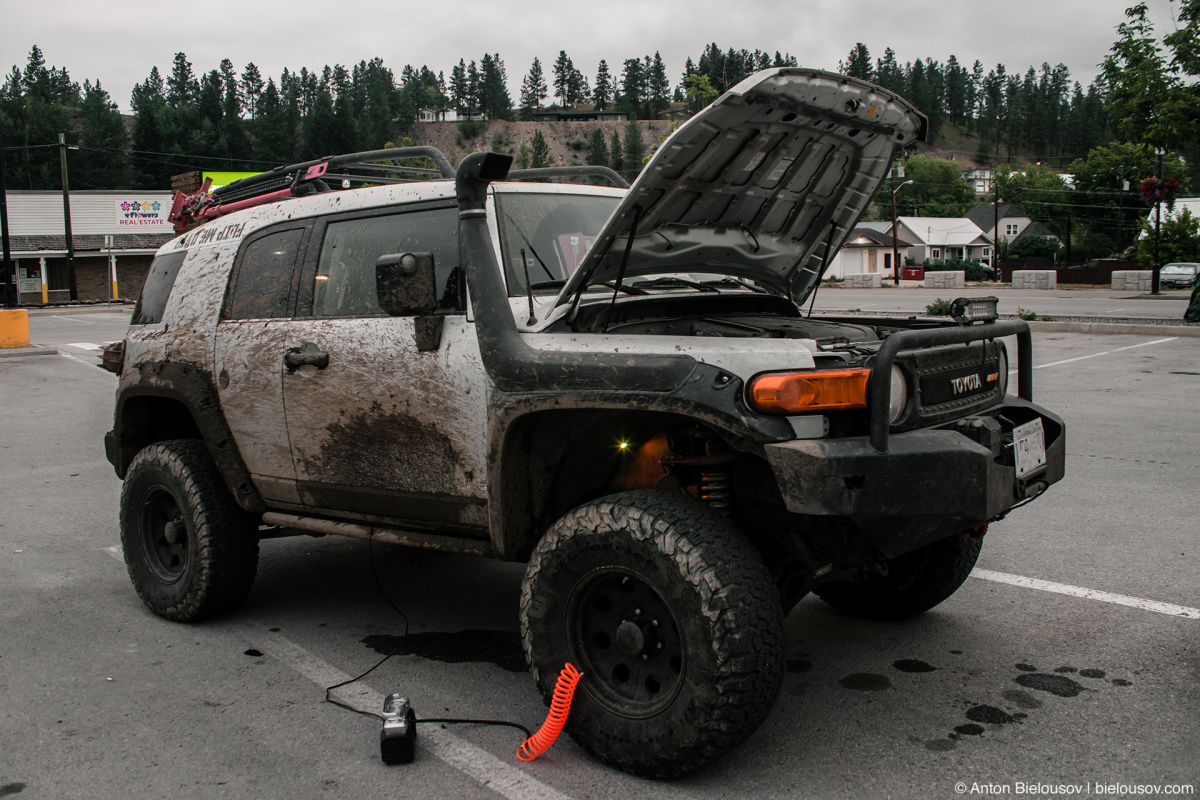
(1132, 280)
(1035, 279)
(863, 280)
(945, 280)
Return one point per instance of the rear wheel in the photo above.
(672, 618)
(916, 581)
(190, 550)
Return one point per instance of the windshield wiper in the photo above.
(555, 284)
(626, 288)
(660, 283)
(738, 281)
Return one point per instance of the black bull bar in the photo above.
(881, 371)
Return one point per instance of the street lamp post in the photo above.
(895, 246)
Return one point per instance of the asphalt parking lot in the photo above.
(1070, 658)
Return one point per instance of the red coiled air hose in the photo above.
(560, 706)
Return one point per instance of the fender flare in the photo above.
(192, 387)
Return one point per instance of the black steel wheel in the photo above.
(190, 550)
(674, 621)
(915, 583)
(621, 628)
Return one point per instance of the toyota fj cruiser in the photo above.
(618, 386)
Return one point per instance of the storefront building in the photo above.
(114, 236)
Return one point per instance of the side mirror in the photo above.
(406, 284)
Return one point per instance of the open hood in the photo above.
(764, 184)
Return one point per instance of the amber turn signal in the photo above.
(802, 392)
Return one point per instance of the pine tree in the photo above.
(597, 153)
(658, 87)
(858, 63)
(635, 148)
(318, 127)
(270, 125)
(539, 152)
(615, 149)
(458, 87)
(533, 90)
(251, 88)
(602, 92)
(563, 70)
(494, 100)
(577, 88)
(633, 80)
(888, 73)
(100, 161)
(182, 86)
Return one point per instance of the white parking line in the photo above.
(489, 771)
(77, 358)
(68, 318)
(479, 764)
(1088, 594)
(1097, 355)
(83, 345)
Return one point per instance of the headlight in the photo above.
(898, 398)
(1003, 371)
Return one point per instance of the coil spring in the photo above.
(560, 706)
(716, 489)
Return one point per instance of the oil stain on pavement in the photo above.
(502, 648)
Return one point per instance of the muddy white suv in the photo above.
(617, 386)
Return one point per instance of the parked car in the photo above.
(1179, 275)
(615, 386)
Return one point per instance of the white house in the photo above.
(867, 249)
(944, 239)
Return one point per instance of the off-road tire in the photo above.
(692, 569)
(172, 491)
(915, 583)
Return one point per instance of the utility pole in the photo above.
(66, 190)
(9, 268)
(1154, 286)
(895, 247)
(1068, 236)
(896, 171)
(995, 229)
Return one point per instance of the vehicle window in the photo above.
(262, 279)
(345, 279)
(552, 232)
(157, 288)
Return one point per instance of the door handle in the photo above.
(307, 355)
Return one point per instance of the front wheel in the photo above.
(915, 582)
(674, 621)
(190, 550)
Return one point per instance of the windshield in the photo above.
(1178, 269)
(547, 235)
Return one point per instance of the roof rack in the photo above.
(351, 171)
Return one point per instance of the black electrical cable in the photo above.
(397, 651)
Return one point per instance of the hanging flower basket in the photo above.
(1160, 190)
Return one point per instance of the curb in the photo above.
(1187, 331)
(24, 352)
(64, 310)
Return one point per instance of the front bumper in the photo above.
(929, 483)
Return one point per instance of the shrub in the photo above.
(468, 129)
(939, 308)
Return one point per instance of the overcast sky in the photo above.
(118, 43)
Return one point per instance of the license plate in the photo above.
(1029, 445)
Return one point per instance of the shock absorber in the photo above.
(716, 487)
